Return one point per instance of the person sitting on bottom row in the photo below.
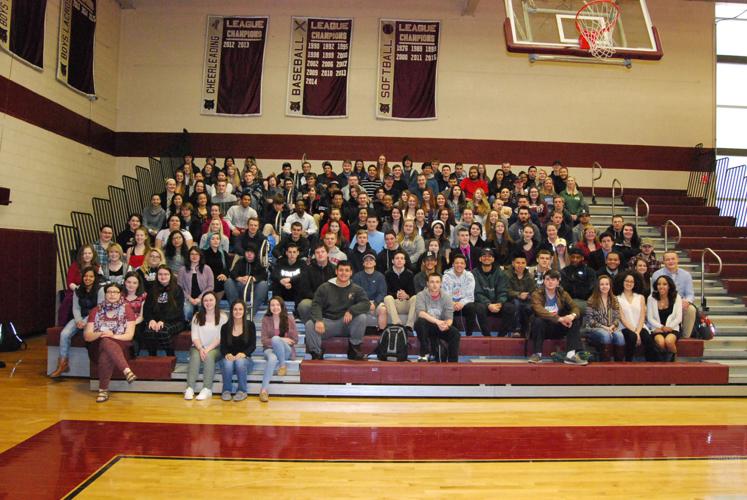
(459, 284)
(163, 312)
(111, 325)
(279, 338)
(664, 315)
(555, 315)
(435, 312)
(400, 298)
(339, 309)
(206, 331)
(602, 319)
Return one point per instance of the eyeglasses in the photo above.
(113, 291)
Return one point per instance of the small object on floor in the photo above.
(239, 396)
(263, 396)
(102, 397)
(226, 396)
(129, 376)
(204, 394)
(189, 394)
(423, 359)
(535, 358)
(282, 371)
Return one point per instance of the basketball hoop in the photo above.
(596, 23)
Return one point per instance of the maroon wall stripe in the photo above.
(35, 109)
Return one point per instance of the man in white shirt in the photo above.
(308, 224)
(238, 216)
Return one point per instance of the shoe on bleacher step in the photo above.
(535, 358)
(575, 359)
(204, 394)
(189, 394)
(282, 371)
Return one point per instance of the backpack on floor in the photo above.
(704, 328)
(392, 344)
(9, 339)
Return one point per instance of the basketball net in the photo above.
(596, 23)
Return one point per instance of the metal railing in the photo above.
(666, 233)
(594, 178)
(645, 204)
(703, 301)
(615, 182)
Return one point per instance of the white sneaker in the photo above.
(189, 394)
(204, 394)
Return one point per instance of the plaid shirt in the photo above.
(102, 253)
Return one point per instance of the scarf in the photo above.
(116, 323)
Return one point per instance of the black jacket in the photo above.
(578, 281)
(243, 268)
(303, 247)
(312, 278)
(404, 281)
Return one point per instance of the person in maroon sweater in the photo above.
(472, 183)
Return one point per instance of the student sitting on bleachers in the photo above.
(154, 216)
(664, 315)
(555, 315)
(286, 274)
(205, 351)
(238, 340)
(248, 271)
(111, 325)
(375, 286)
(163, 312)
(491, 294)
(126, 238)
(318, 271)
(629, 245)
(598, 258)
(219, 262)
(140, 248)
(578, 279)
(86, 257)
(85, 298)
(459, 284)
(215, 227)
(279, 339)
(519, 288)
(602, 320)
(147, 271)
(176, 251)
(339, 309)
(400, 298)
(633, 315)
(429, 265)
(115, 268)
(106, 234)
(684, 284)
(174, 224)
(434, 308)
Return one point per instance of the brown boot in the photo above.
(619, 353)
(606, 353)
(62, 367)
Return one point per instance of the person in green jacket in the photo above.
(574, 199)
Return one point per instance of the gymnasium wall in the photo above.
(484, 93)
(49, 174)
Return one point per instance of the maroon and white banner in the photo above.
(318, 69)
(408, 59)
(22, 30)
(234, 56)
(76, 43)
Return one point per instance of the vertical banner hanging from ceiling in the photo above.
(408, 58)
(75, 47)
(234, 56)
(318, 69)
(22, 30)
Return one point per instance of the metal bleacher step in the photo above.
(730, 342)
(715, 354)
(293, 376)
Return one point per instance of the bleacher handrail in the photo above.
(617, 182)
(666, 233)
(595, 166)
(703, 302)
(638, 200)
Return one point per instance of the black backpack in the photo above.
(9, 339)
(392, 344)
(704, 328)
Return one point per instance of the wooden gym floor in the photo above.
(56, 442)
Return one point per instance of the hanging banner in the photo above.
(318, 69)
(234, 55)
(22, 30)
(408, 57)
(75, 47)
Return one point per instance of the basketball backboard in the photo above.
(549, 27)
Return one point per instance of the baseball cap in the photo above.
(647, 241)
(486, 251)
(575, 251)
(583, 212)
(561, 241)
(430, 255)
(369, 254)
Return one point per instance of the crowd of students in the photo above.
(368, 247)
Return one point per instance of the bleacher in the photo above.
(488, 367)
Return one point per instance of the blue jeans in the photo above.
(241, 368)
(599, 336)
(189, 310)
(66, 337)
(235, 290)
(280, 352)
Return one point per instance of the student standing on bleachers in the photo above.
(279, 339)
(205, 351)
(238, 340)
(111, 325)
(434, 308)
(163, 312)
(85, 298)
(684, 286)
(555, 315)
(339, 309)
(491, 294)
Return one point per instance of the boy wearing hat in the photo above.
(578, 279)
(490, 292)
(555, 315)
(374, 284)
(648, 254)
(248, 271)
